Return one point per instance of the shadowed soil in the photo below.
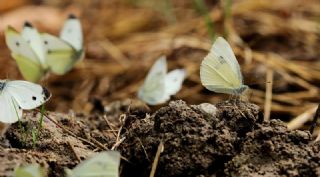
(227, 139)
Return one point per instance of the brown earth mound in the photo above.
(229, 139)
(233, 142)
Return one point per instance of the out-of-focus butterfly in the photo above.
(31, 170)
(220, 70)
(16, 96)
(103, 164)
(36, 53)
(160, 85)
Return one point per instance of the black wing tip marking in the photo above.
(28, 24)
(46, 93)
(72, 16)
(2, 85)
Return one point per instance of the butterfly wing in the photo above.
(104, 164)
(60, 55)
(28, 62)
(28, 95)
(221, 48)
(153, 89)
(216, 72)
(33, 38)
(174, 80)
(31, 170)
(72, 32)
(10, 111)
(30, 70)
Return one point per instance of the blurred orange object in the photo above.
(45, 18)
(8, 5)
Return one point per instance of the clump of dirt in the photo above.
(233, 141)
(272, 150)
(227, 139)
(52, 149)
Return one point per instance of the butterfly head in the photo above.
(46, 93)
(72, 16)
(241, 89)
(27, 24)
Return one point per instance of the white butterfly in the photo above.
(16, 96)
(103, 164)
(160, 85)
(220, 70)
(36, 53)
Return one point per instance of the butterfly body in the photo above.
(220, 70)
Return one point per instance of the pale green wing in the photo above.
(28, 62)
(103, 164)
(30, 70)
(215, 72)
(61, 56)
(221, 48)
(31, 170)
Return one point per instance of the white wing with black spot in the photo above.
(72, 32)
(27, 95)
(33, 38)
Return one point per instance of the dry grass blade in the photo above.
(268, 98)
(156, 159)
(301, 119)
(315, 119)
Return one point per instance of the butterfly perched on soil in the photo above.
(102, 164)
(38, 53)
(16, 96)
(160, 85)
(220, 70)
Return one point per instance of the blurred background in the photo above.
(124, 37)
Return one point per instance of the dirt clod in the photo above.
(233, 142)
